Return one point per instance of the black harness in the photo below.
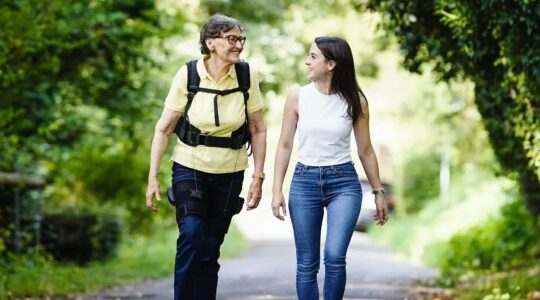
(193, 136)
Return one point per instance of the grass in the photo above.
(138, 258)
(517, 284)
(474, 198)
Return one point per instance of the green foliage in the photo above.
(80, 236)
(420, 182)
(437, 122)
(39, 275)
(517, 284)
(497, 259)
(57, 56)
(57, 59)
(139, 257)
(254, 11)
(474, 196)
(506, 242)
(494, 44)
(480, 257)
(105, 175)
(77, 91)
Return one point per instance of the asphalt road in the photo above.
(267, 271)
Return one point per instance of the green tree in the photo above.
(57, 56)
(495, 44)
(76, 88)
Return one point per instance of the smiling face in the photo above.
(318, 66)
(221, 48)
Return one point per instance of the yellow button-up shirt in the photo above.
(201, 115)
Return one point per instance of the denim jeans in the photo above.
(312, 189)
(197, 248)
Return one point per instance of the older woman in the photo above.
(215, 107)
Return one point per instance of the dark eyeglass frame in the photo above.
(233, 39)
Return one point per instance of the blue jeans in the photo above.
(201, 229)
(312, 189)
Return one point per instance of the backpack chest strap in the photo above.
(218, 93)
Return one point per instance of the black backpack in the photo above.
(193, 136)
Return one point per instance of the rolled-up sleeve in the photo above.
(177, 96)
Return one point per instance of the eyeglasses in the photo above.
(233, 39)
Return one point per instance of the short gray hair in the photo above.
(214, 27)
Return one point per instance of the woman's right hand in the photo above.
(152, 191)
(164, 127)
(278, 201)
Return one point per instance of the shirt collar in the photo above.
(201, 69)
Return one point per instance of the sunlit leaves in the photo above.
(493, 43)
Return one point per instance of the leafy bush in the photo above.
(80, 237)
(502, 243)
(420, 182)
(139, 257)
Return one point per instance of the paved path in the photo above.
(267, 270)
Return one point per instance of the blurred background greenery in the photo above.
(453, 92)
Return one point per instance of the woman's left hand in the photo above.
(381, 216)
(255, 193)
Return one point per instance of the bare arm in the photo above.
(283, 153)
(258, 145)
(164, 127)
(369, 160)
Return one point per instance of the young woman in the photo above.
(324, 113)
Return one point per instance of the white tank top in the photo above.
(324, 128)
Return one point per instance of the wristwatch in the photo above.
(258, 175)
(379, 190)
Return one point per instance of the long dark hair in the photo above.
(344, 81)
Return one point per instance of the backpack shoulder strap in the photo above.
(243, 77)
(244, 82)
(193, 81)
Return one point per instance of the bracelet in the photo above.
(378, 190)
(258, 175)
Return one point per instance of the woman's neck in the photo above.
(216, 68)
(324, 85)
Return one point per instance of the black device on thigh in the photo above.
(213, 206)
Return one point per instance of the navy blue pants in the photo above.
(201, 231)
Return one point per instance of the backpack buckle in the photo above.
(202, 139)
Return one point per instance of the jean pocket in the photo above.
(299, 169)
